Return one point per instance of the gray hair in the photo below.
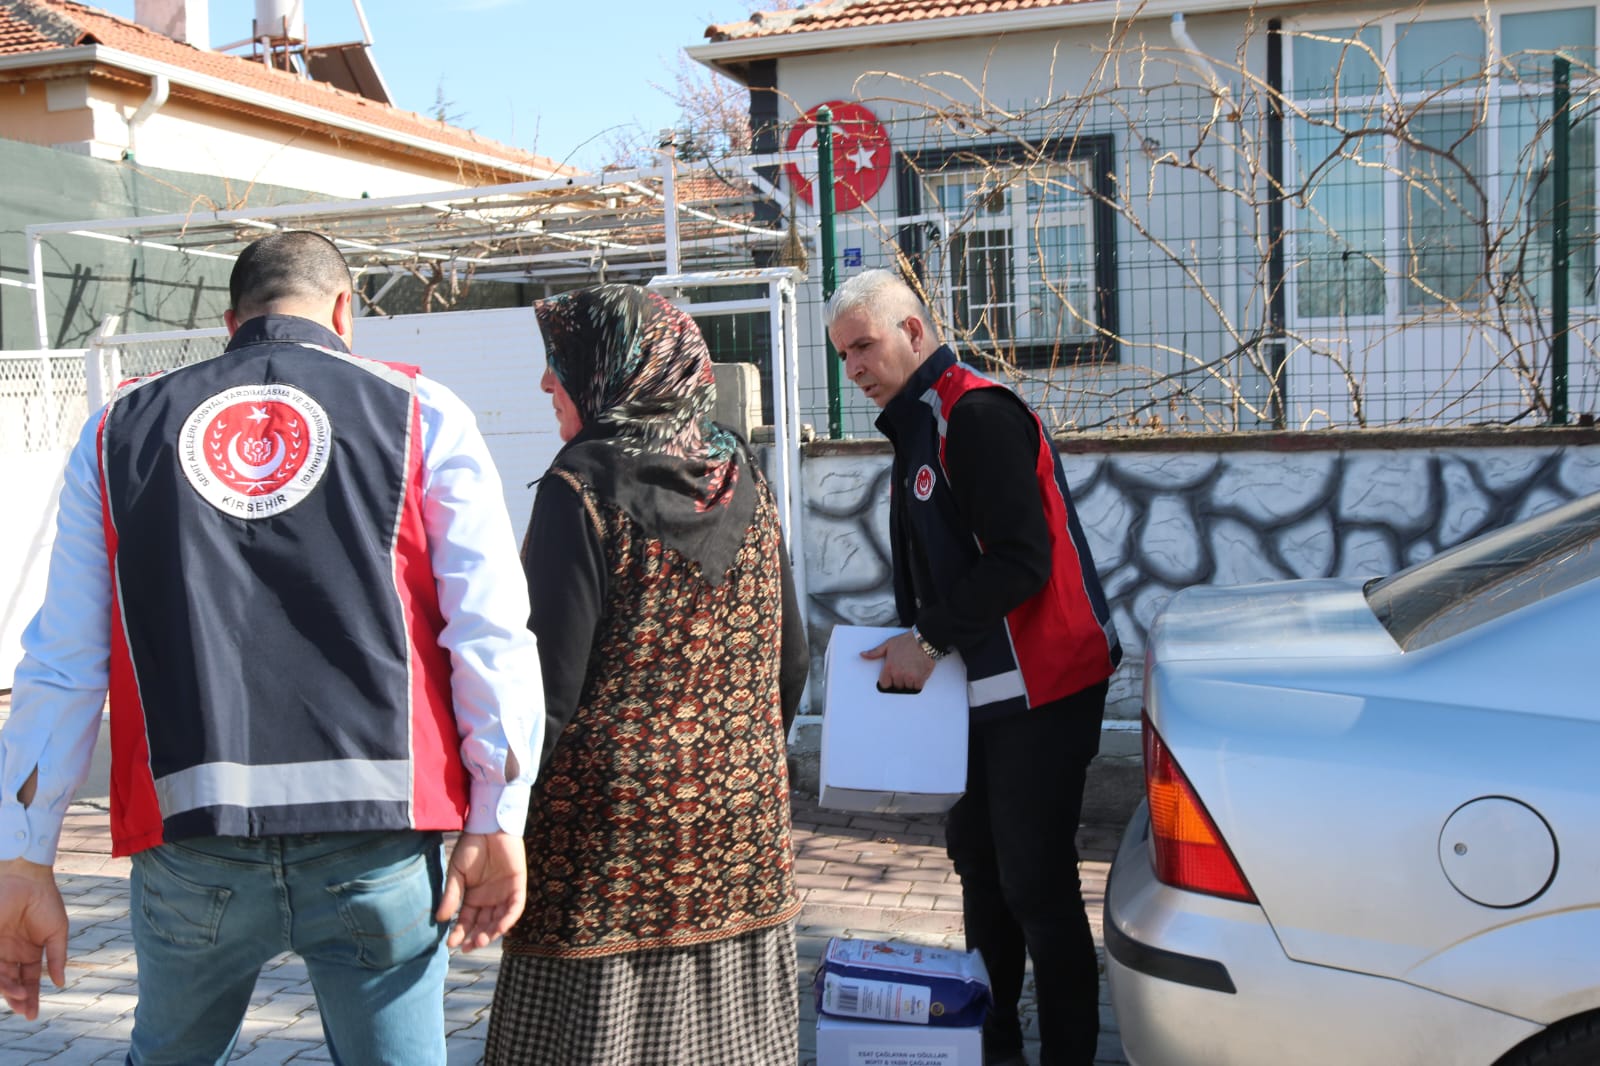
(882, 294)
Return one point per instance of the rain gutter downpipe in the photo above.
(160, 87)
(1180, 33)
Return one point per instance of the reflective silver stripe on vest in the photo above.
(935, 403)
(231, 784)
(986, 690)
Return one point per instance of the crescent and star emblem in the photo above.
(862, 154)
(257, 473)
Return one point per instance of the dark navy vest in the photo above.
(275, 665)
(1058, 642)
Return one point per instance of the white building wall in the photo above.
(188, 137)
(490, 360)
(1191, 260)
(30, 483)
(179, 138)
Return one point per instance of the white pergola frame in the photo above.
(616, 220)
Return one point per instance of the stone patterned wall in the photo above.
(1158, 521)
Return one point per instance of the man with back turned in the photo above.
(294, 571)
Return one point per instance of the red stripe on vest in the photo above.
(135, 810)
(439, 789)
(1062, 608)
(1059, 645)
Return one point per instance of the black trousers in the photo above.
(1013, 841)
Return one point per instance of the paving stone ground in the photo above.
(877, 877)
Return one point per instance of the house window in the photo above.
(1014, 245)
(1459, 202)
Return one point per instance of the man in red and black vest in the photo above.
(990, 560)
(293, 571)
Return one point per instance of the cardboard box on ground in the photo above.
(842, 1042)
(883, 1003)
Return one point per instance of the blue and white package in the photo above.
(909, 983)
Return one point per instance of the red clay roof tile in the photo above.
(842, 14)
(43, 26)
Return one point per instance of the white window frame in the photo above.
(1395, 306)
(1022, 219)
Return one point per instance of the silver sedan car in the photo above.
(1372, 828)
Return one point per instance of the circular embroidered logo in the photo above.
(255, 451)
(923, 485)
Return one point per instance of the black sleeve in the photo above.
(566, 570)
(991, 449)
(795, 663)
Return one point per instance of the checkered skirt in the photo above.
(730, 1002)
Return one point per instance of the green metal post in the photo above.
(1562, 219)
(830, 269)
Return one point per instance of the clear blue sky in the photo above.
(545, 75)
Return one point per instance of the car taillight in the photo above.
(1189, 852)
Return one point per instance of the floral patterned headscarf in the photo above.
(637, 365)
(639, 373)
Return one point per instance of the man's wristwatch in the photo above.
(927, 649)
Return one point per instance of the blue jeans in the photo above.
(208, 913)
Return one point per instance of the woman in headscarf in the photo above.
(659, 926)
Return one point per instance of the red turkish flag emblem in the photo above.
(861, 154)
(923, 486)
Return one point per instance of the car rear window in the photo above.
(1489, 576)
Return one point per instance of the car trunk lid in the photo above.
(1273, 620)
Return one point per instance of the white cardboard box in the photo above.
(842, 1042)
(881, 751)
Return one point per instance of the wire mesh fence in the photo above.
(43, 400)
(45, 395)
(1373, 232)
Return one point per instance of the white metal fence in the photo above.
(115, 359)
(43, 400)
(136, 355)
(46, 395)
